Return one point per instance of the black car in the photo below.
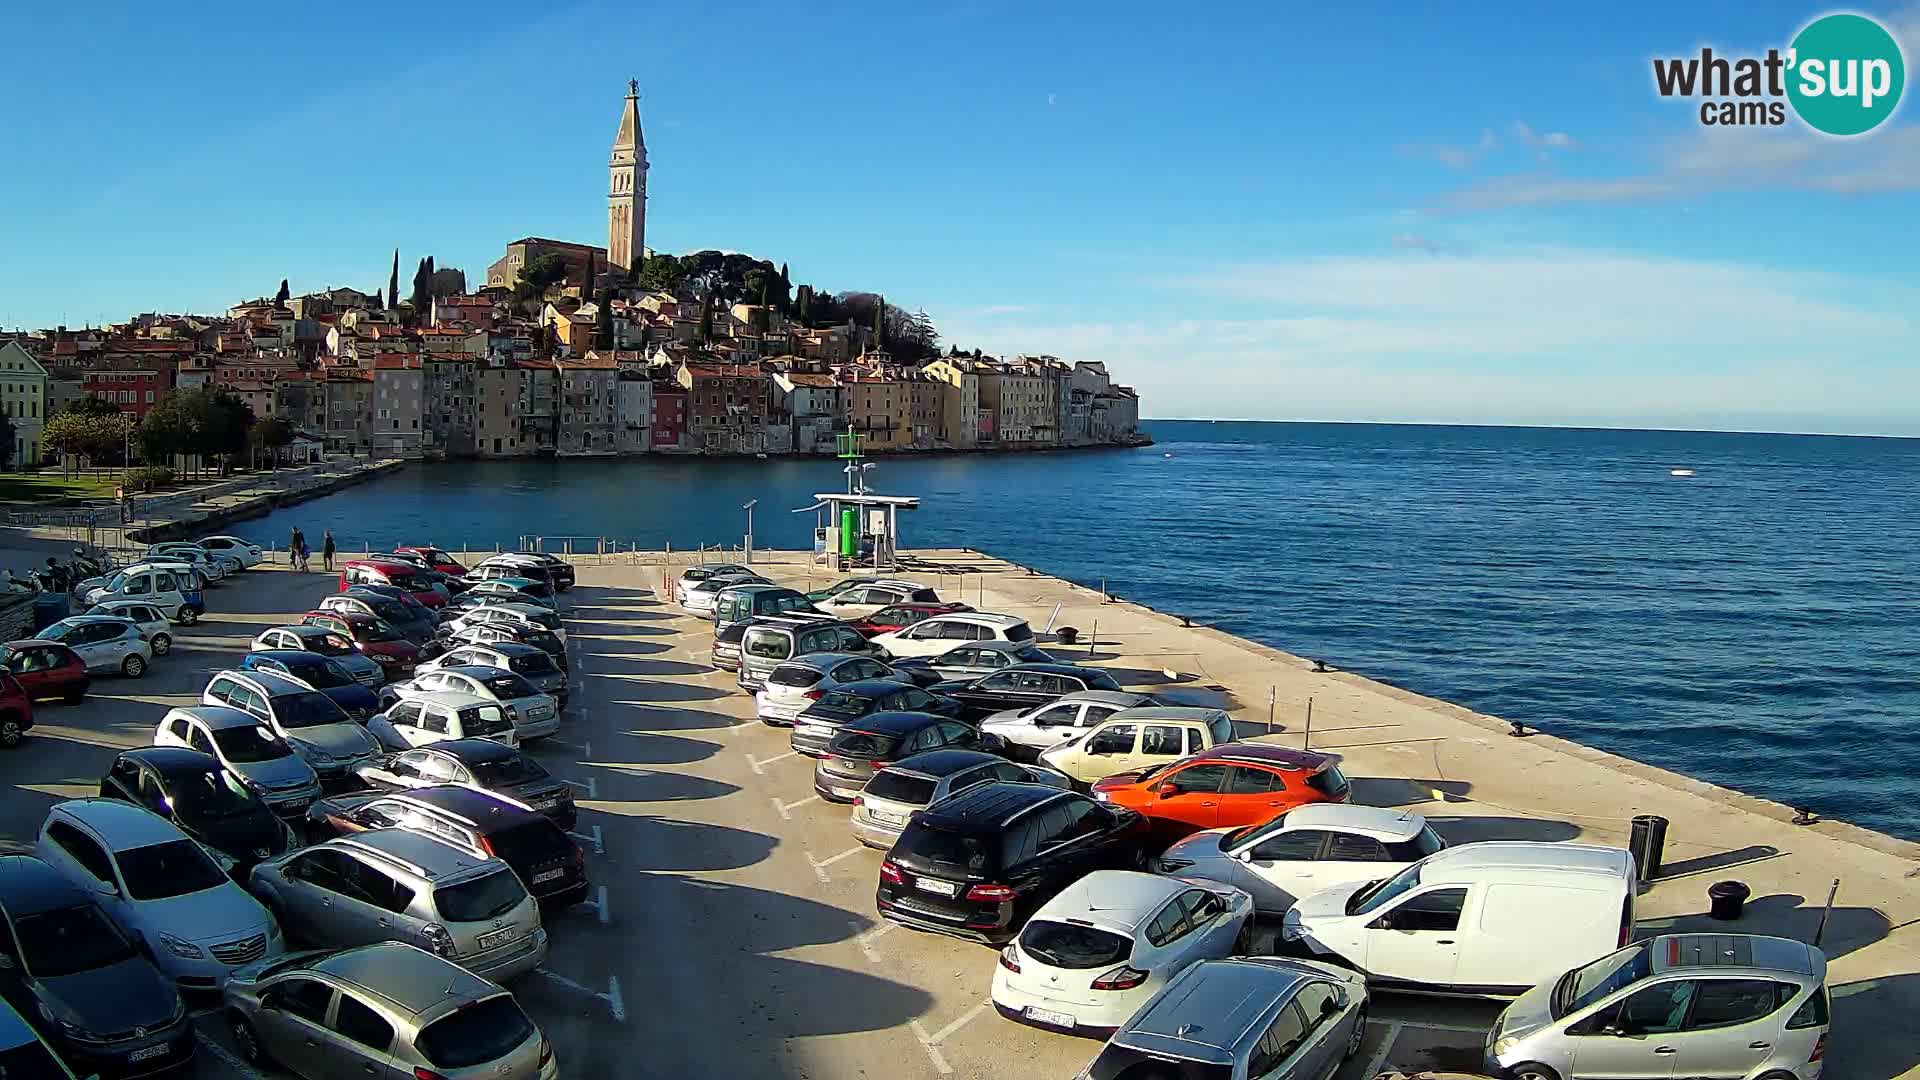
(864, 746)
(68, 970)
(399, 609)
(195, 792)
(549, 863)
(482, 763)
(818, 721)
(979, 864)
(320, 673)
(1023, 686)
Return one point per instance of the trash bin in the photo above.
(48, 608)
(1068, 635)
(1727, 899)
(1648, 844)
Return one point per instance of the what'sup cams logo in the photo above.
(1842, 75)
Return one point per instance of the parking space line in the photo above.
(616, 1004)
(1468, 1028)
(227, 1057)
(939, 1063)
(600, 905)
(785, 807)
(932, 1042)
(583, 747)
(589, 785)
(760, 767)
(1379, 1059)
(595, 838)
(866, 940)
(820, 865)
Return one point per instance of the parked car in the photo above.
(107, 644)
(386, 1010)
(216, 567)
(438, 559)
(980, 658)
(533, 664)
(413, 627)
(16, 712)
(150, 619)
(1023, 686)
(488, 633)
(1232, 784)
(1263, 1019)
(1136, 739)
(558, 570)
(249, 748)
(173, 587)
(317, 672)
(61, 959)
(1301, 851)
(1733, 1005)
(900, 616)
(322, 641)
(160, 888)
(446, 714)
(840, 586)
(244, 552)
(373, 637)
(703, 594)
(196, 792)
(744, 603)
(1041, 727)
(879, 739)
(409, 615)
(1487, 918)
(898, 791)
(868, 597)
(694, 575)
(936, 635)
(479, 763)
(507, 587)
(46, 669)
(764, 642)
(1091, 956)
(331, 741)
(481, 823)
(416, 581)
(535, 714)
(978, 864)
(815, 724)
(401, 885)
(793, 685)
(530, 614)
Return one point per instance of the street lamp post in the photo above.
(748, 547)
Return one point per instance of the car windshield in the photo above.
(391, 610)
(1100, 680)
(518, 769)
(378, 630)
(1330, 782)
(481, 720)
(532, 840)
(321, 676)
(475, 1034)
(836, 703)
(1067, 945)
(901, 787)
(509, 686)
(794, 675)
(404, 580)
(540, 638)
(329, 645)
(1247, 833)
(947, 848)
(245, 745)
(175, 868)
(538, 663)
(69, 940)
(479, 899)
(212, 794)
(1019, 632)
(1582, 987)
(309, 708)
(1373, 896)
(863, 744)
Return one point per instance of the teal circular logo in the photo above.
(1846, 76)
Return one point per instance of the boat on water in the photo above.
(1679, 472)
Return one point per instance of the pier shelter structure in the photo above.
(857, 531)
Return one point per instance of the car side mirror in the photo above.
(1384, 922)
(1167, 790)
(1331, 1005)
(1244, 855)
(106, 888)
(6, 962)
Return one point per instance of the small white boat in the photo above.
(1679, 472)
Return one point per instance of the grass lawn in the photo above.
(38, 487)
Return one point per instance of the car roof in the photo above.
(219, 717)
(436, 857)
(892, 722)
(39, 643)
(1212, 1007)
(1052, 667)
(873, 687)
(1114, 899)
(1258, 753)
(1378, 822)
(505, 648)
(472, 751)
(305, 630)
(274, 684)
(995, 644)
(790, 620)
(821, 661)
(932, 607)
(1689, 951)
(757, 587)
(455, 699)
(77, 620)
(29, 886)
(173, 760)
(990, 805)
(1174, 713)
(411, 978)
(1493, 857)
(1125, 699)
(477, 671)
(934, 764)
(289, 656)
(122, 825)
(983, 618)
(477, 805)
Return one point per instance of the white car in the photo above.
(249, 749)
(246, 553)
(1304, 850)
(446, 715)
(173, 587)
(1092, 955)
(150, 619)
(107, 643)
(933, 636)
(521, 613)
(703, 595)
(797, 683)
(1042, 727)
(862, 600)
(694, 575)
(535, 715)
(216, 567)
(161, 887)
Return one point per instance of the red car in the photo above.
(1232, 784)
(401, 575)
(437, 559)
(374, 637)
(46, 669)
(16, 712)
(901, 616)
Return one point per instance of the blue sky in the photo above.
(1248, 211)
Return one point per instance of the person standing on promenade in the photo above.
(294, 540)
(326, 551)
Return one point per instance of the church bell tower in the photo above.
(627, 188)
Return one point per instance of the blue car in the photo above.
(323, 673)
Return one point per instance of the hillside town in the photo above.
(574, 350)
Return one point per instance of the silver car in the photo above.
(1686, 1004)
(387, 1011)
(694, 575)
(1031, 730)
(249, 749)
(985, 658)
(702, 595)
(400, 885)
(328, 643)
(794, 684)
(107, 643)
(535, 715)
(903, 789)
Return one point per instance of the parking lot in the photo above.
(732, 930)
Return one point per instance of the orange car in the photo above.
(1230, 785)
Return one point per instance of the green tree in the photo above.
(801, 301)
(706, 317)
(165, 431)
(449, 281)
(280, 298)
(786, 290)
(268, 436)
(879, 324)
(422, 294)
(393, 282)
(662, 272)
(91, 406)
(603, 325)
(6, 440)
(539, 275)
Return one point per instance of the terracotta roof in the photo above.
(395, 363)
(451, 357)
(591, 363)
(808, 378)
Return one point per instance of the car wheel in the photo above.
(247, 1041)
(1532, 1070)
(185, 616)
(75, 697)
(1243, 945)
(133, 666)
(10, 733)
(162, 644)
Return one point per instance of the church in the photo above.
(626, 215)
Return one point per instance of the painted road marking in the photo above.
(1379, 1059)
(583, 748)
(600, 905)
(589, 785)
(595, 838)
(820, 865)
(785, 808)
(866, 940)
(616, 1004)
(932, 1042)
(760, 767)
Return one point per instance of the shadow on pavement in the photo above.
(652, 748)
(1784, 915)
(1868, 1016)
(1394, 791)
(1464, 830)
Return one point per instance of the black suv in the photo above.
(195, 792)
(979, 864)
(818, 721)
(863, 747)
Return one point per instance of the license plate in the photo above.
(297, 804)
(548, 875)
(938, 888)
(498, 937)
(1051, 1019)
(546, 804)
(148, 1053)
(888, 819)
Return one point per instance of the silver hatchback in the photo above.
(794, 684)
(400, 885)
(1680, 1005)
(388, 1011)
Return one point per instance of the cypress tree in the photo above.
(706, 317)
(393, 282)
(879, 323)
(280, 297)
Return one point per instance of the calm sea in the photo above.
(1754, 624)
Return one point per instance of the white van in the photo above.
(1490, 919)
(171, 587)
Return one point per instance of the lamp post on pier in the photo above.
(748, 546)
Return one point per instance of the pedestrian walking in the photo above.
(295, 542)
(326, 551)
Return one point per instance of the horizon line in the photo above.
(1529, 427)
